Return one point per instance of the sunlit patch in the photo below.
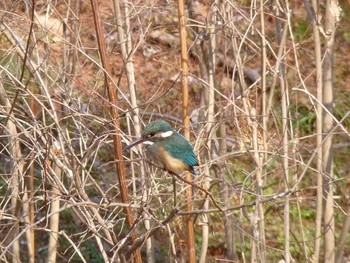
(147, 142)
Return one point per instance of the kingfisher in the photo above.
(167, 147)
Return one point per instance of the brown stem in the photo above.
(114, 114)
(186, 121)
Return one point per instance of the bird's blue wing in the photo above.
(182, 149)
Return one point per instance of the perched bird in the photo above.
(167, 147)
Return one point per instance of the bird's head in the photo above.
(154, 131)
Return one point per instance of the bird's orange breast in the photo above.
(172, 164)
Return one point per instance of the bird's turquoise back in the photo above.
(180, 148)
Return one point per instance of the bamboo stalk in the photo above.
(261, 157)
(210, 123)
(319, 114)
(30, 189)
(332, 17)
(126, 48)
(54, 218)
(285, 164)
(115, 119)
(186, 124)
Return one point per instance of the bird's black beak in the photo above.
(141, 140)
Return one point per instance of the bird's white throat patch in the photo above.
(148, 142)
(166, 134)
